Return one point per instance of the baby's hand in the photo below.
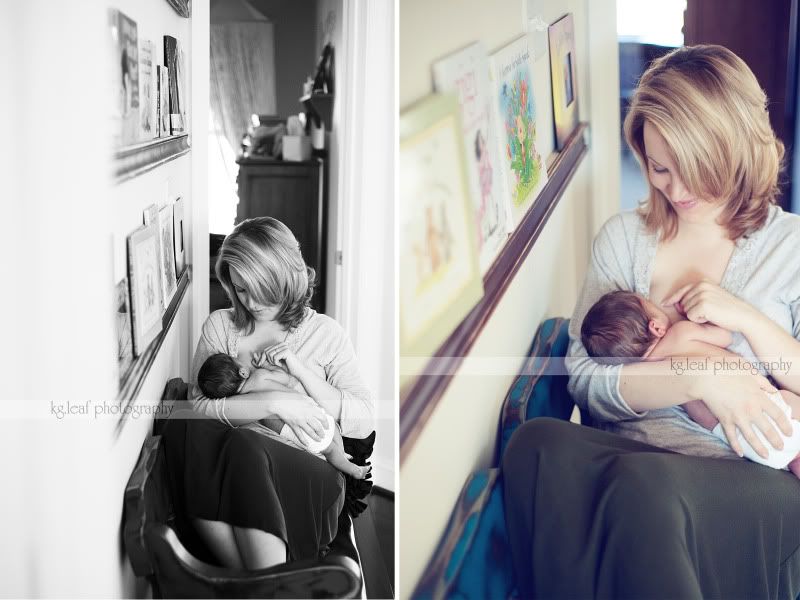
(282, 357)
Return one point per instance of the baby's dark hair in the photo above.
(220, 376)
(616, 329)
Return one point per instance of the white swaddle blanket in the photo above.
(777, 459)
(310, 445)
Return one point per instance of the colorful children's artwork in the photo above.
(564, 78)
(123, 322)
(126, 78)
(439, 277)
(515, 112)
(147, 99)
(144, 274)
(467, 74)
(167, 254)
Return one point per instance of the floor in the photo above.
(375, 540)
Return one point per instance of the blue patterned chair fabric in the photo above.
(473, 559)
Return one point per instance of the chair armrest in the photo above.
(473, 558)
(181, 575)
(540, 390)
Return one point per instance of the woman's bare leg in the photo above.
(258, 548)
(220, 539)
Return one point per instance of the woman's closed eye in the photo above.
(658, 169)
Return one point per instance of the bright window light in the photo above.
(659, 23)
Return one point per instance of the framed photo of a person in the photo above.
(564, 78)
(440, 279)
(167, 254)
(144, 275)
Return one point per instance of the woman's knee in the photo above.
(636, 490)
(543, 437)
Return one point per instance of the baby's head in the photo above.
(221, 376)
(622, 327)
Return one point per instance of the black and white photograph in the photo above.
(201, 333)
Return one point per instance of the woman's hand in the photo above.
(301, 413)
(738, 398)
(706, 302)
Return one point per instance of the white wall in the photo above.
(63, 243)
(460, 434)
(361, 291)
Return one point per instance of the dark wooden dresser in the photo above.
(296, 194)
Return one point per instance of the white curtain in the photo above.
(242, 84)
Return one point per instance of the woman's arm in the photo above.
(775, 347)
(342, 393)
(705, 302)
(298, 411)
(327, 396)
(595, 386)
(619, 392)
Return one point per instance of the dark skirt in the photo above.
(591, 514)
(249, 479)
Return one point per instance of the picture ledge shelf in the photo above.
(420, 396)
(138, 371)
(131, 161)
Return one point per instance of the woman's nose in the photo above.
(678, 191)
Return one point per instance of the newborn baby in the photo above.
(623, 327)
(221, 377)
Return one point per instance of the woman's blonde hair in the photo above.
(707, 105)
(266, 256)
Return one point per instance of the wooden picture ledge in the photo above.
(130, 386)
(132, 161)
(420, 396)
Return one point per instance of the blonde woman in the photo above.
(643, 505)
(254, 498)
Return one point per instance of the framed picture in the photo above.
(440, 280)
(562, 73)
(167, 254)
(171, 58)
(515, 115)
(124, 40)
(181, 7)
(144, 276)
(147, 96)
(150, 215)
(163, 101)
(180, 250)
(467, 74)
(123, 323)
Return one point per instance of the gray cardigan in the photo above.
(764, 269)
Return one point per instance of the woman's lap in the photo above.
(593, 514)
(247, 479)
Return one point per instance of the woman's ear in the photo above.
(244, 373)
(657, 329)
